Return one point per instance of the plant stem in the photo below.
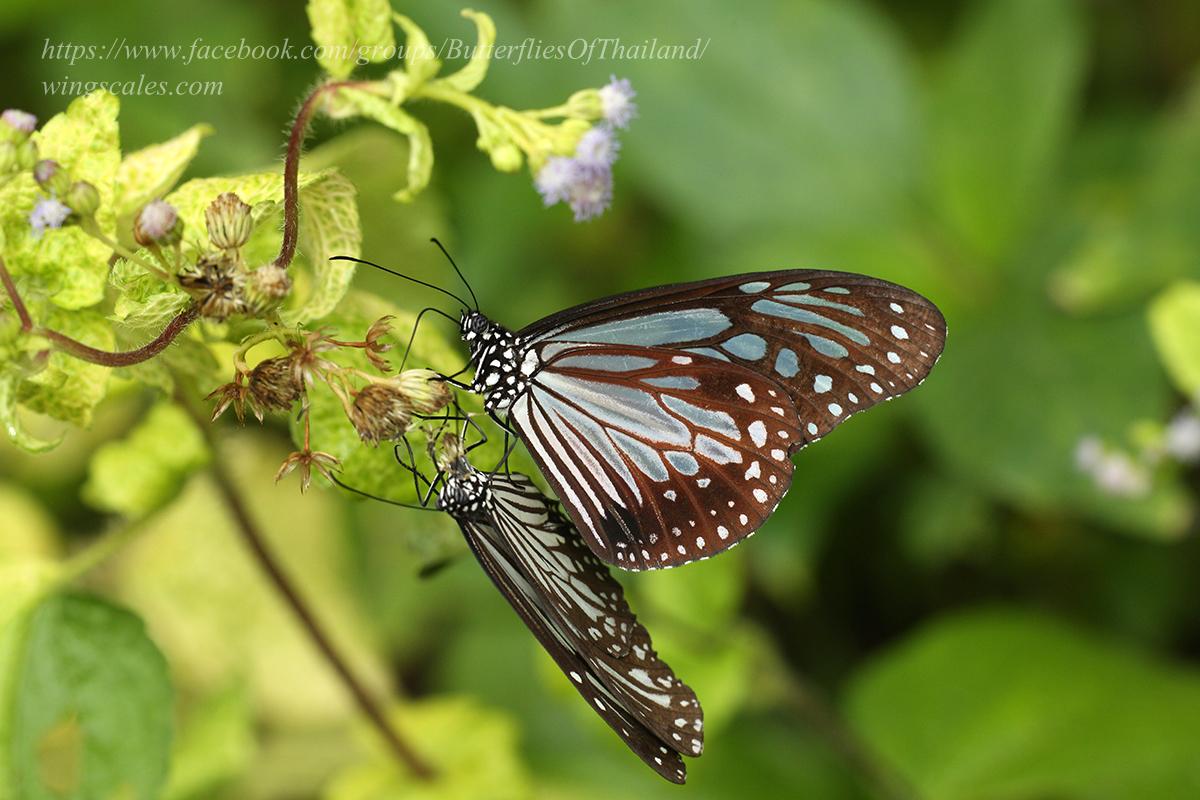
(124, 358)
(808, 703)
(92, 229)
(101, 550)
(291, 171)
(259, 548)
(15, 297)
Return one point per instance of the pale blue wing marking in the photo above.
(786, 363)
(606, 363)
(746, 345)
(648, 330)
(812, 318)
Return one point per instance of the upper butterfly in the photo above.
(665, 418)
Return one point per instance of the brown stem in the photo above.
(14, 295)
(291, 171)
(124, 358)
(266, 560)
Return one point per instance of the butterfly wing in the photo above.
(637, 694)
(660, 457)
(838, 342)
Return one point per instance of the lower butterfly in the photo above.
(577, 611)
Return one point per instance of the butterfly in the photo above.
(574, 607)
(665, 419)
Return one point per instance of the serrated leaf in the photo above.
(332, 29)
(475, 70)
(1005, 704)
(1175, 326)
(472, 749)
(420, 146)
(146, 470)
(999, 121)
(149, 173)
(329, 226)
(373, 29)
(91, 711)
(68, 388)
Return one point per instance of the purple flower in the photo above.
(48, 213)
(19, 120)
(553, 181)
(590, 193)
(157, 223)
(598, 147)
(616, 102)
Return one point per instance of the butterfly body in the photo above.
(665, 418)
(565, 595)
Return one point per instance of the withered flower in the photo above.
(229, 222)
(380, 328)
(273, 385)
(306, 356)
(266, 287)
(216, 284)
(381, 411)
(234, 394)
(307, 461)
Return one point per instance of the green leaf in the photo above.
(10, 417)
(475, 70)
(999, 121)
(333, 33)
(149, 173)
(143, 472)
(91, 712)
(215, 746)
(329, 226)
(472, 749)
(29, 532)
(420, 147)
(1175, 326)
(68, 388)
(420, 60)
(373, 29)
(1004, 705)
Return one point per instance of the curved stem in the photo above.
(124, 358)
(291, 171)
(15, 297)
(257, 544)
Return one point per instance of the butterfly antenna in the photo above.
(349, 488)
(412, 336)
(382, 268)
(461, 277)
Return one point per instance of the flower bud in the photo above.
(273, 384)
(506, 157)
(157, 224)
(52, 178)
(17, 124)
(9, 160)
(585, 104)
(83, 198)
(27, 154)
(229, 222)
(381, 411)
(266, 288)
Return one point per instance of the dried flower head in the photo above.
(374, 346)
(235, 394)
(307, 461)
(216, 284)
(616, 102)
(47, 213)
(267, 287)
(229, 222)
(306, 357)
(426, 391)
(157, 224)
(273, 385)
(381, 411)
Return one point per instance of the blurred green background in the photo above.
(983, 618)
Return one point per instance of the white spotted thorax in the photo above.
(504, 363)
(467, 492)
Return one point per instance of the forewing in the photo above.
(838, 342)
(659, 457)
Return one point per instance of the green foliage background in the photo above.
(988, 623)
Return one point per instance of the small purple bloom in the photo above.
(20, 120)
(590, 193)
(616, 102)
(554, 179)
(598, 147)
(48, 213)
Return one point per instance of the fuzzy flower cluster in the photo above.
(584, 181)
(1123, 474)
(66, 201)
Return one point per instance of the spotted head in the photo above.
(467, 491)
(503, 361)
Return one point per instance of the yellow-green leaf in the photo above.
(420, 60)
(68, 388)
(420, 147)
(333, 32)
(329, 226)
(1175, 325)
(475, 70)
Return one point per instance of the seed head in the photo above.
(381, 411)
(216, 284)
(266, 287)
(273, 385)
(228, 221)
(234, 394)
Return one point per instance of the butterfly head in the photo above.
(476, 330)
(503, 362)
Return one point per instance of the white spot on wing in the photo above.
(745, 392)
